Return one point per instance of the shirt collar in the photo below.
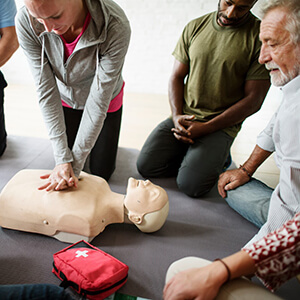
(291, 87)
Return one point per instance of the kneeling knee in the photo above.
(193, 189)
(103, 173)
(142, 167)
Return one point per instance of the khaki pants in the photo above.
(237, 289)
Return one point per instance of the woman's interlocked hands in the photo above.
(62, 177)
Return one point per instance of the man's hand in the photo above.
(62, 177)
(198, 283)
(187, 129)
(230, 180)
(180, 131)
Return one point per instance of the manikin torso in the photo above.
(76, 213)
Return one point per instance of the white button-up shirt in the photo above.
(282, 135)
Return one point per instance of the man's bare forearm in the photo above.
(257, 157)
(8, 44)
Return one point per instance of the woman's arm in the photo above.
(8, 43)
(205, 283)
(277, 255)
(111, 60)
(48, 97)
(274, 259)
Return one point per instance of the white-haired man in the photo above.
(280, 52)
(272, 254)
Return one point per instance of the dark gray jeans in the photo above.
(3, 134)
(196, 166)
(34, 292)
(102, 159)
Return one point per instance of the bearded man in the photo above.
(216, 83)
(268, 209)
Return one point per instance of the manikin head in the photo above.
(280, 36)
(146, 205)
(233, 12)
(57, 15)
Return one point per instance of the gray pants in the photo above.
(196, 166)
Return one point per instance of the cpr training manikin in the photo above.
(83, 212)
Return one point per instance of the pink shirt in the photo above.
(116, 103)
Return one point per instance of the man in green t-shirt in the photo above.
(216, 83)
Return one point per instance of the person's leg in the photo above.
(72, 122)
(251, 200)
(203, 163)
(33, 292)
(2, 124)
(102, 159)
(240, 288)
(162, 153)
(3, 134)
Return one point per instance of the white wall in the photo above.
(156, 26)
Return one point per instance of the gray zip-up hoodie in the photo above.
(88, 80)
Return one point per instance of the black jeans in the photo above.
(196, 167)
(33, 292)
(3, 134)
(102, 159)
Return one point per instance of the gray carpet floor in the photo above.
(205, 227)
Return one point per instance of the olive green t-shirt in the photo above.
(220, 60)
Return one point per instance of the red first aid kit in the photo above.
(89, 271)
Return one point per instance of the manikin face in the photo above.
(278, 52)
(56, 15)
(143, 197)
(233, 12)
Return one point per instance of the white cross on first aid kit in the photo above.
(82, 253)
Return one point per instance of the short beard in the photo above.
(283, 79)
(234, 21)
